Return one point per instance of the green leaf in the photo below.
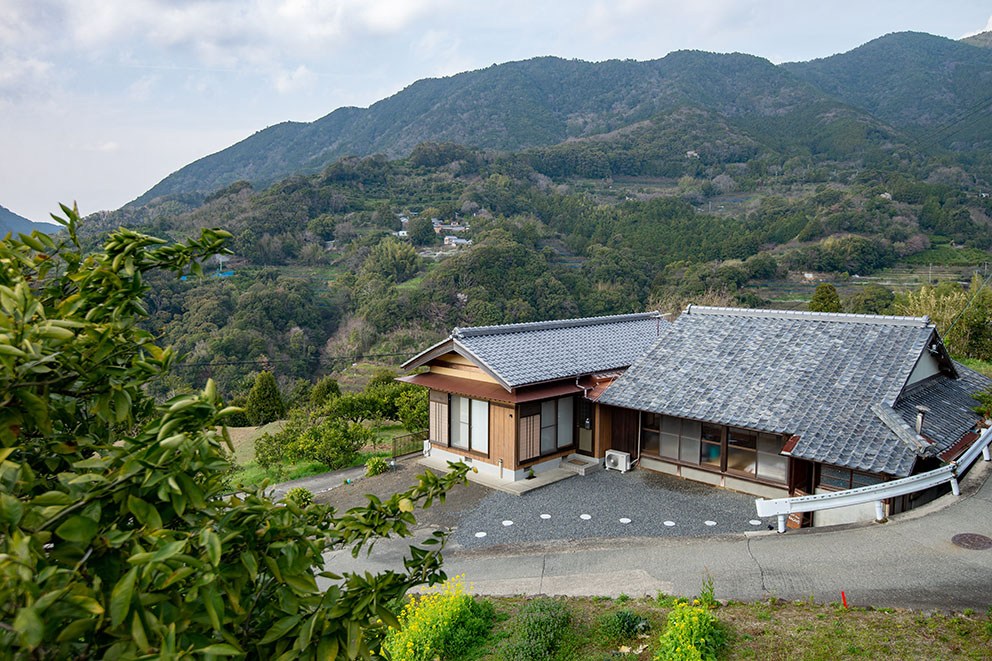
(120, 597)
(354, 638)
(88, 604)
(304, 583)
(327, 649)
(144, 513)
(221, 649)
(388, 616)
(29, 626)
(280, 629)
(75, 630)
(11, 509)
(210, 540)
(248, 560)
(77, 529)
(168, 551)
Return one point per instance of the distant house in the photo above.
(452, 240)
(766, 402)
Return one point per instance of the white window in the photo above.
(469, 424)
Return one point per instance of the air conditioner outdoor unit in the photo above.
(618, 460)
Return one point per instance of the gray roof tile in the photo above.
(950, 403)
(544, 351)
(811, 374)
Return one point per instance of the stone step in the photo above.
(580, 464)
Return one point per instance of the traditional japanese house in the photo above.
(767, 402)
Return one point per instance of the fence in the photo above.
(409, 443)
(783, 507)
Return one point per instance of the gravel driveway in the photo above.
(607, 504)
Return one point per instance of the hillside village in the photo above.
(688, 357)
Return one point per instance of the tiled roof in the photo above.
(815, 375)
(520, 354)
(950, 403)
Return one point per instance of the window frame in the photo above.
(724, 446)
(469, 449)
(537, 408)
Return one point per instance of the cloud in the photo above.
(22, 77)
(294, 81)
(987, 28)
(141, 89)
(216, 32)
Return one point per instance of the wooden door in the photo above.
(623, 431)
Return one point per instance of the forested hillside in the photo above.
(917, 83)
(585, 189)
(11, 222)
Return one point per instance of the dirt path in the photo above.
(461, 498)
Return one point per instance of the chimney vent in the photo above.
(921, 413)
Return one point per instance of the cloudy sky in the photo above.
(101, 99)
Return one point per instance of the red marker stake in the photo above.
(843, 598)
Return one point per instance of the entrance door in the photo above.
(623, 431)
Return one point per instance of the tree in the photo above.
(393, 260)
(412, 409)
(119, 534)
(264, 404)
(420, 229)
(871, 299)
(825, 299)
(325, 389)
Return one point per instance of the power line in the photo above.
(289, 360)
(965, 308)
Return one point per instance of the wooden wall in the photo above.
(602, 426)
(453, 364)
(438, 417)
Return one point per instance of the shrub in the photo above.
(269, 450)
(376, 466)
(624, 625)
(442, 624)
(691, 634)
(300, 495)
(331, 441)
(541, 627)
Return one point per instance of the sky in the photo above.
(101, 99)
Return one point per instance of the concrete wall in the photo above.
(852, 514)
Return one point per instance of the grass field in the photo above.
(769, 630)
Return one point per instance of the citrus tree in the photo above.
(119, 537)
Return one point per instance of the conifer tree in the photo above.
(825, 299)
(264, 403)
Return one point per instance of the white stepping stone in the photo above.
(545, 516)
(624, 520)
(585, 517)
(710, 523)
(755, 522)
(480, 534)
(669, 523)
(508, 523)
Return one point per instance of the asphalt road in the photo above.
(908, 562)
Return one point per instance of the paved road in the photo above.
(909, 562)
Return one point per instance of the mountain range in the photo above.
(915, 89)
(11, 222)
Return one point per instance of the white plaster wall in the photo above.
(927, 366)
(852, 514)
